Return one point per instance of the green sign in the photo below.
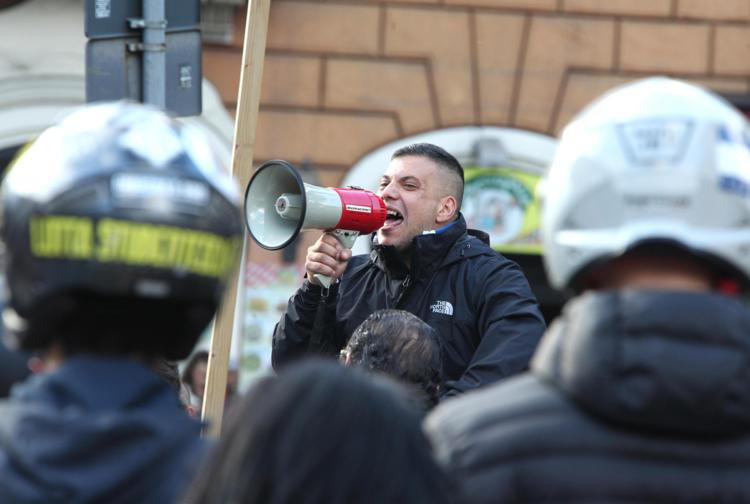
(502, 202)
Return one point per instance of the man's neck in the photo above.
(406, 254)
(673, 274)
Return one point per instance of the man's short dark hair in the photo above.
(399, 344)
(441, 157)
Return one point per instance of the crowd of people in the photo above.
(425, 372)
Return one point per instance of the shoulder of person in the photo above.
(503, 418)
(470, 246)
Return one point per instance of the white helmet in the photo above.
(657, 159)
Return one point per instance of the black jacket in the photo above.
(478, 301)
(632, 397)
(96, 430)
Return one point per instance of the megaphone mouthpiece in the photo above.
(363, 211)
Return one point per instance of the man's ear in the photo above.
(446, 210)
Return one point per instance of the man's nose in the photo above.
(388, 192)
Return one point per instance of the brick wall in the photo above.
(347, 76)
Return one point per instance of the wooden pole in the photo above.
(246, 118)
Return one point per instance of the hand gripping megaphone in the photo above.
(278, 205)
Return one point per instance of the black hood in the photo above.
(677, 363)
(96, 430)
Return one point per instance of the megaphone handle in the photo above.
(346, 239)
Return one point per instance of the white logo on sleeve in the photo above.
(444, 307)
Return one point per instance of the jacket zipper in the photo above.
(404, 286)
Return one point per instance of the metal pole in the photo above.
(154, 53)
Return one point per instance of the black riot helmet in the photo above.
(120, 227)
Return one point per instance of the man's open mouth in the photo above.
(393, 218)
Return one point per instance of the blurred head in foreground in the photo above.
(322, 433)
(121, 226)
(638, 391)
(654, 174)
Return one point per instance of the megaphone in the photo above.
(278, 205)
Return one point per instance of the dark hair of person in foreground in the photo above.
(322, 433)
(401, 345)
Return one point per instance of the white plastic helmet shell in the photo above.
(654, 159)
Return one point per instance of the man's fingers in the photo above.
(327, 244)
(329, 239)
(320, 269)
(324, 248)
(327, 257)
(321, 258)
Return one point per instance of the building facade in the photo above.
(344, 77)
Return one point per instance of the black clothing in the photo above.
(478, 302)
(96, 430)
(634, 396)
(13, 368)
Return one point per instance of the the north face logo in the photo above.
(443, 307)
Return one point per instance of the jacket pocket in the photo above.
(455, 341)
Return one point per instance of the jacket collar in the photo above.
(429, 251)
